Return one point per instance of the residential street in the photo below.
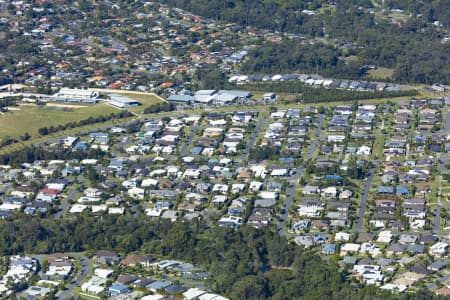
(442, 161)
(86, 270)
(65, 204)
(251, 143)
(221, 150)
(192, 134)
(363, 204)
(281, 226)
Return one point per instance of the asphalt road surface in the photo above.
(85, 271)
(363, 204)
(281, 226)
(191, 136)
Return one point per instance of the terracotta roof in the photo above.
(50, 192)
(133, 259)
(442, 291)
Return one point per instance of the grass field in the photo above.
(258, 95)
(31, 118)
(146, 101)
(378, 145)
(381, 73)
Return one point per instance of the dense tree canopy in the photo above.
(246, 263)
(293, 56)
(279, 15)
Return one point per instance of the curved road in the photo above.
(86, 270)
(77, 279)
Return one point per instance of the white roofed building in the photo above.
(76, 95)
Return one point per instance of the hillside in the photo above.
(405, 36)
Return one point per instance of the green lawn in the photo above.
(378, 145)
(381, 73)
(434, 187)
(31, 118)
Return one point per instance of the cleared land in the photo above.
(31, 118)
(145, 99)
(381, 73)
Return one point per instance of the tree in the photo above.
(250, 287)
(352, 168)
(211, 78)
(43, 131)
(25, 137)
